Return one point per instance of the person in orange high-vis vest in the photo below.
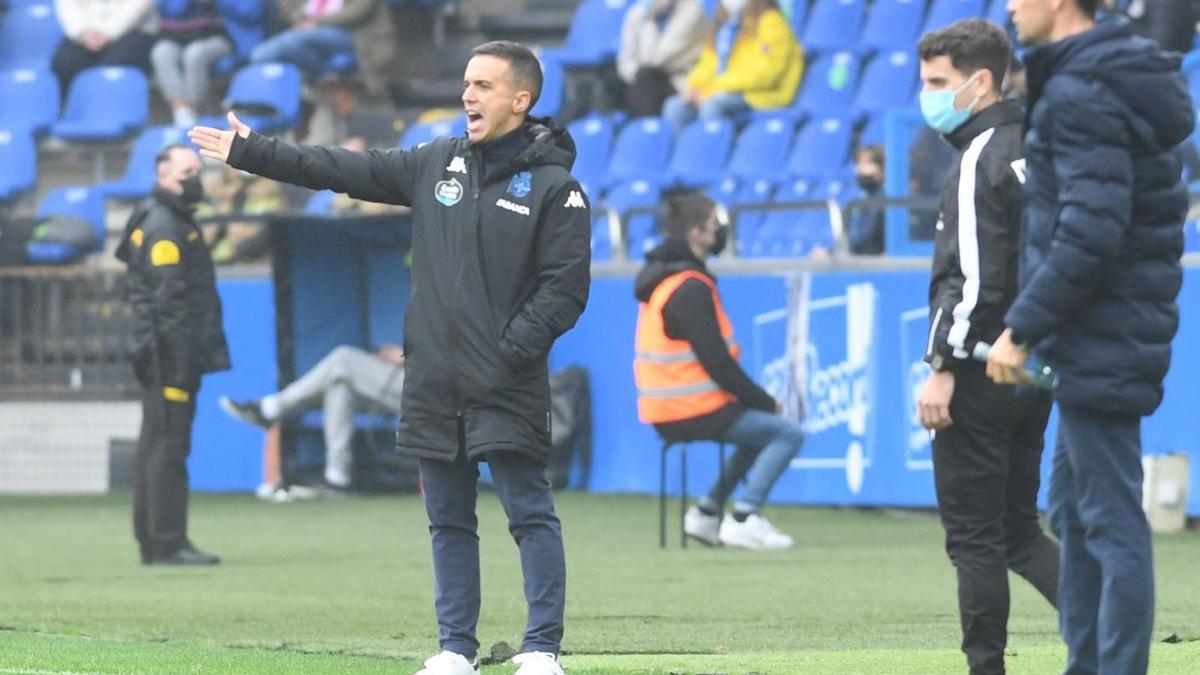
(690, 386)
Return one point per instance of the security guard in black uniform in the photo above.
(177, 338)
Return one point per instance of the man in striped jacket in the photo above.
(988, 438)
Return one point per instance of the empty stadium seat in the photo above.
(797, 13)
(997, 13)
(425, 132)
(18, 163)
(593, 136)
(80, 202)
(641, 229)
(37, 91)
(829, 84)
(640, 151)
(945, 12)
(321, 203)
(761, 151)
(105, 103)
(888, 81)
(893, 25)
(266, 96)
(1191, 236)
(550, 101)
(834, 25)
(700, 153)
(821, 149)
(594, 35)
(795, 233)
(734, 196)
(140, 172)
(29, 34)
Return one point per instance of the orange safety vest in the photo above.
(672, 384)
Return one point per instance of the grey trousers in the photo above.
(182, 71)
(346, 380)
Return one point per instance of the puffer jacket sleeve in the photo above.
(1093, 170)
(563, 261)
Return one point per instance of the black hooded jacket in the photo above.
(172, 288)
(690, 315)
(500, 268)
(1105, 208)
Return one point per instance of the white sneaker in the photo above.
(702, 527)
(756, 533)
(449, 663)
(537, 663)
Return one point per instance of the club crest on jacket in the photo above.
(448, 192)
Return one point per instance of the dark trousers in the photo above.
(986, 470)
(524, 491)
(160, 487)
(1106, 597)
(131, 49)
(649, 89)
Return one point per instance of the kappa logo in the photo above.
(520, 185)
(575, 201)
(457, 165)
(448, 192)
(511, 206)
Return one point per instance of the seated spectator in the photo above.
(341, 119)
(321, 29)
(102, 33)
(346, 381)
(751, 60)
(660, 42)
(190, 40)
(690, 386)
(866, 222)
(235, 241)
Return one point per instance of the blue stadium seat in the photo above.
(602, 246)
(892, 25)
(701, 153)
(997, 13)
(945, 12)
(18, 163)
(641, 230)
(80, 202)
(594, 35)
(887, 82)
(834, 25)
(425, 132)
(29, 34)
(593, 137)
(873, 132)
(550, 102)
(37, 91)
(761, 151)
(794, 233)
(272, 87)
(821, 150)
(640, 151)
(734, 195)
(140, 174)
(1191, 236)
(829, 84)
(321, 203)
(797, 13)
(245, 22)
(104, 104)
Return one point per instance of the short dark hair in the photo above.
(164, 154)
(525, 67)
(874, 152)
(1088, 7)
(971, 44)
(685, 210)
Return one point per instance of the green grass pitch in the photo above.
(345, 586)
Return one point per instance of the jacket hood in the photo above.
(1146, 79)
(539, 142)
(670, 257)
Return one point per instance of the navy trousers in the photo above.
(524, 491)
(1106, 590)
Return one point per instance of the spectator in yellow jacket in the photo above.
(751, 61)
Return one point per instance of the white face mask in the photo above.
(734, 7)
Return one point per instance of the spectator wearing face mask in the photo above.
(750, 61)
(866, 223)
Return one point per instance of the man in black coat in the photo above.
(501, 268)
(987, 448)
(177, 338)
(1100, 272)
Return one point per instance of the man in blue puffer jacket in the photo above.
(1099, 275)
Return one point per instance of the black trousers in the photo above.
(131, 49)
(160, 488)
(986, 470)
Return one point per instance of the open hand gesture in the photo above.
(215, 143)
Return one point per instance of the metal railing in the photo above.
(63, 335)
